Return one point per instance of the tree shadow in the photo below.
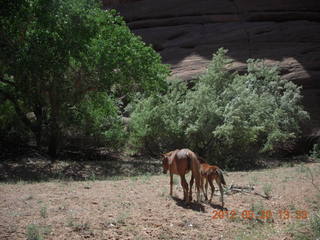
(94, 164)
(198, 207)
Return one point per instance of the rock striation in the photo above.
(187, 32)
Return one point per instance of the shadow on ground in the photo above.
(198, 207)
(30, 164)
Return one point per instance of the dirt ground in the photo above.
(140, 207)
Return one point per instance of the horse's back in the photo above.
(207, 169)
(183, 154)
(180, 161)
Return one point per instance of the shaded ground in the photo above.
(139, 207)
(87, 164)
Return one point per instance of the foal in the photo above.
(210, 173)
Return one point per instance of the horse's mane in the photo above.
(201, 159)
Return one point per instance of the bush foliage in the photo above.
(60, 55)
(224, 116)
(69, 66)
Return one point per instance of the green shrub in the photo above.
(225, 116)
(98, 115)
(11, 128)
(315, 153)
(267, 190)
(44, 212)
(34, 232)
(156, 123)
(56, 54)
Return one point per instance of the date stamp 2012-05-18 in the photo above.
(262, 214)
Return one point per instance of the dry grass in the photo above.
(140, 208)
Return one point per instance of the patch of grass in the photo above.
(253, 181)
(164, 235)
(139, 237)
(34, 232)
(175, 181)
(15, 214)
(81, 227)
(317, 200)
(78, 227)
(146, 178)
(134, 178)
(125, 204)
(22, 182)
(164, 193)
(292, 207)
(261, 213)
(189, 223)
(236, 218)
(70, 222)
(30, 197)
(301, 168)
(256, 231)
(287, 178)
(63, 208)
(315, 225)
(44, 212)
(287, 164)
(257, 208)
(115, 178)
(121, 219)
(91, 177)
(267, 190)
(305, 230)
(314, 203)
(37, 232)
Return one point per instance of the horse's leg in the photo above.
(184, 185)
(171, 183)
(221, 190)
(212, 188)
(206, 189)
(191, 184)
(202, 186)
(199, 187)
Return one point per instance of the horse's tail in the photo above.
(195, 168)
(219, 172)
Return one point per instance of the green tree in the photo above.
(54, 53)
(226, 116)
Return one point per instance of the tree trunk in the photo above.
(37, 126)
(53, 138)
(37, 132)
(54, 129)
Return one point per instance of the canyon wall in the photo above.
(187, 32)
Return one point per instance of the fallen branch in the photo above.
(244, 189)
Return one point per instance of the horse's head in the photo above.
(165, 163)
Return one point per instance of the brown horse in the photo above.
(180, 162)
(210, 173)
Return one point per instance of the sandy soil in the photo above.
(141, 208)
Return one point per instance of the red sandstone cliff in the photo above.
(187, 32)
